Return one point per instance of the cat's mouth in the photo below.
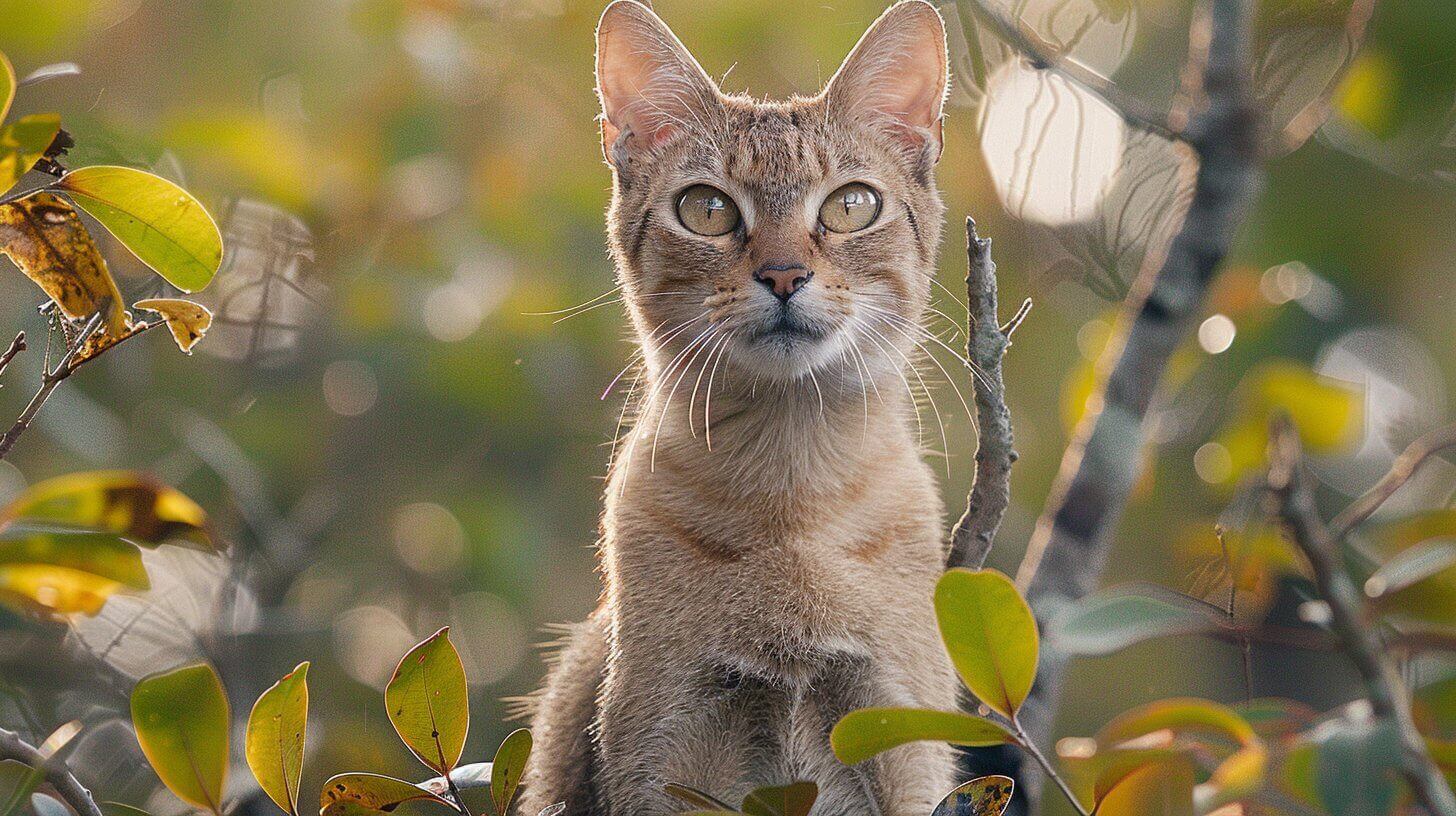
(787, 328)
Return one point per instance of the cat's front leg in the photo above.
(904, 781)
(662, 719)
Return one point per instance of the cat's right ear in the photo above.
(651, 88)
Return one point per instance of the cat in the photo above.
(771, 535)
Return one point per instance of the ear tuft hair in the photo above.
(651, 88)
(897, 75)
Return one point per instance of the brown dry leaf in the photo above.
(187, 321)
(45, 238)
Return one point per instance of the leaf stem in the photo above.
(1026, 743)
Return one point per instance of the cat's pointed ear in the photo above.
(650, 86)
(896, 76)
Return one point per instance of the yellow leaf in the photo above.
(1368, 93)
(55, 571)
(45, 238)
(46, 589)
(187, 321)
(1162, 789)
(123, 502)
(1329, 414)
(23, 143)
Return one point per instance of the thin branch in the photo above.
(1348, 616)
(16, 346)
(1069, 546)
(1045, 55)
(49, 381)
(18, 195)
(986, 344)
(1401, 471)
(1047, 767)
(56, 772)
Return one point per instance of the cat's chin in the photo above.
(791, 352)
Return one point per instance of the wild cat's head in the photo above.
(793, 237)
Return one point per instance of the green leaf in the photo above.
(17, 781)
(983, 796)
(428, 702)
(23, 143)
(1109, 622)
(990, 634)
(506, 769)
(866, 732)
(273, 745)
(127, 503)
(181, 719)
(1161, 789)
(1411, 566)
(1357, 766)
(59, 571)
(346, 793)
(7, 86)
(119, 809)
(161, 223)
(795, 799)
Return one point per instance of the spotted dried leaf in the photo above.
(44, 237)
(187, 321)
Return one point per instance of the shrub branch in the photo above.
(1349, 618)
(1401, 471)
(56, 772)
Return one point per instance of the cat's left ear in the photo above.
(896, 77)
(652, 89)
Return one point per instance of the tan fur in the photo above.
(758, 590)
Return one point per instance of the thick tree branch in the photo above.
(56, 773)
(1401, 471)
(986, 344)
(1349, 619)
(1069, 547)
(1043, 54)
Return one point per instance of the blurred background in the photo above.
(391, 439)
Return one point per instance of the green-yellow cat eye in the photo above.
(850, 208)
(707, 210)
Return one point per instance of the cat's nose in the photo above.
(783, 279)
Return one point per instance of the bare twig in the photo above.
(986, 344)
(16, 346)
(1348, 616)
(50, 379)
(1401, 471)
(56, 772)
(1045, 55)
(1069, 547)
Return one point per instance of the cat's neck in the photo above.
(768, 437)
